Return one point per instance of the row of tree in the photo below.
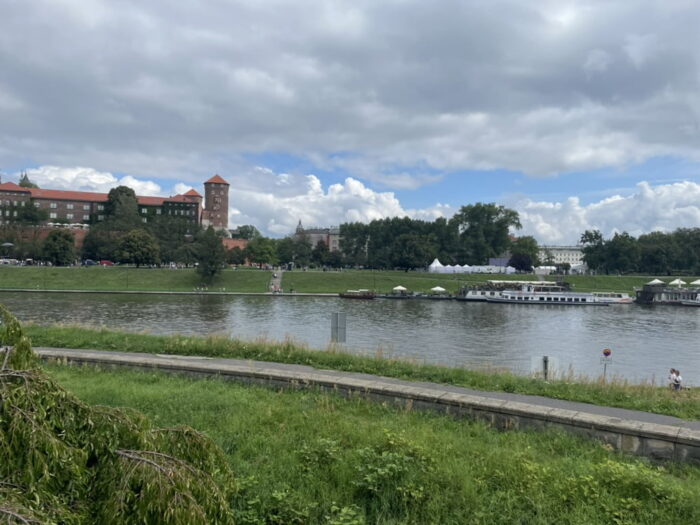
(653, 253)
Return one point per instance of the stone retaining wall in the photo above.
(661, 442)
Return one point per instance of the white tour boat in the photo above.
(545, 293)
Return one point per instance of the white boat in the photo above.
(541, 293)
(613, 297)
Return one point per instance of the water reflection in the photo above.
(645, 341)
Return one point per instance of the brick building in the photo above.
(81, 208)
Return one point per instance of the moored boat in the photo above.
(358, 294)
(541, 293)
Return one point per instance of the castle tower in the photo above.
(215, 212)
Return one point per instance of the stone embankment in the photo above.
(640, 433)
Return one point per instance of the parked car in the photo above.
(106, 263)
(89, 262)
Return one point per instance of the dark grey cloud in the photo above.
(178, 89)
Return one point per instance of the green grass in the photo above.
(307, 457)
(314, 281)
(118, 278)
(646, 397)
(257, 281)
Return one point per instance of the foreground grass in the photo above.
(306, 457)
(117, 278)
(649, 398)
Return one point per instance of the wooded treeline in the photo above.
(655, 253)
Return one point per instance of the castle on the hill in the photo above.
(81, 208)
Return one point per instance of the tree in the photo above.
(526, 245)
(412, 251)
(235, 256)
(246, 231)
(59, 247)
(593, 249)
(261, 250)
(211, 255)
(31, 215)
(138, 247)
(484, 231)
(121, 209)
(64, 461)
(319, 254)
(521, 262)
(354, 238)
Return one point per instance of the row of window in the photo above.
(70, 206)
(14, 203)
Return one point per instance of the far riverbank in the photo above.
(256, 281)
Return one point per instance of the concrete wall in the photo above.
(661, 442)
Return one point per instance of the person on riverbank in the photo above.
(672, 379)
(678, 381)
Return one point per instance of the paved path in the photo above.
(212, 365)
(276, 281)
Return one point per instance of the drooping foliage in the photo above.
(63, 461)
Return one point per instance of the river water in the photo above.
(646, 341)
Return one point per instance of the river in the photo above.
(645, 341)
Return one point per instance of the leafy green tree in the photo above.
(484, 230)
(236, 256)
(246, 231)
(354, 238)
(59, 247)
(172, 232)
(593, 250)
(186, 254)
(622, 253)
(412, 251)
(521, 262)
(211, 254)
(139, 247)
(319, 254)
(261, 250)
(122, 210)
(526, 245)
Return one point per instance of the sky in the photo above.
(577, 114)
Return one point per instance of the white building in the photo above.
(561, 254)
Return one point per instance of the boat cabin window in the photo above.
(583, 300)
(541, 298)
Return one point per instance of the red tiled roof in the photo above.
(38, 193)
(11, 186)
(88, 196)
(179, 198)
(151, 201)
(216, 179)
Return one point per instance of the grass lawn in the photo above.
(649, 398)
(126, 278)
(382, 281)
(307, 457)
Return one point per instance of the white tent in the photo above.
(696, 282)
(677, 282)
(656, 281)
(399, 288)
(437, 289)
(435, 267)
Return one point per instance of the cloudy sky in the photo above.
(579, 115)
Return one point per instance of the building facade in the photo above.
(81, 208)
(561, 254)
(330, 236)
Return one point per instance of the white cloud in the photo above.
(647, 208)
(87, 179)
